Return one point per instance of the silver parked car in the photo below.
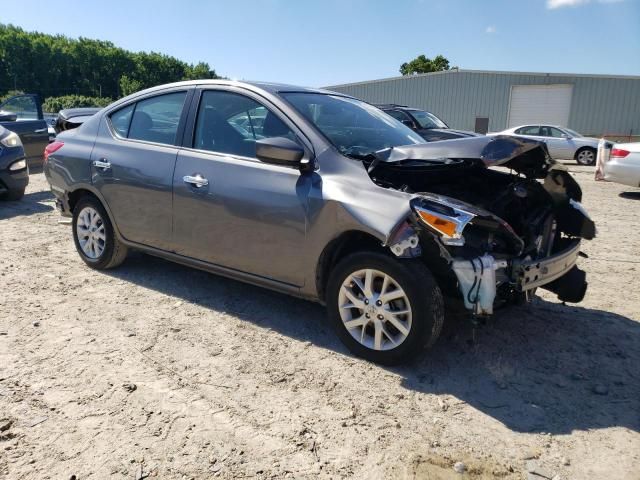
(563, 143)
(326, 198)
(624, 164)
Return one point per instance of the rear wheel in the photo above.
(384, 310)
(94, 236)
(586, 156)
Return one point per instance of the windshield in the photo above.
(573, 133)
(427, 120)
(355, 128)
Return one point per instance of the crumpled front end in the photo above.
(493, 236)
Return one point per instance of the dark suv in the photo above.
(424, 123)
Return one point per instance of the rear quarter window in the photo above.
(121, 119)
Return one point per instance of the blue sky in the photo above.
(328, 42)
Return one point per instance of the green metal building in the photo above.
(483, 100)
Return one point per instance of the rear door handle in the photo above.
(40, 130)
(104, 164)
(197, 180)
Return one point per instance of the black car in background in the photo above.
(73, 117)
(14, 172)
(424, 123)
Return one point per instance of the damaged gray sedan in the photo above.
(322, 196)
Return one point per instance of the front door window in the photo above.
(231, 123)
(24, 106)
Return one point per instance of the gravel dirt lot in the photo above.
(155, 369)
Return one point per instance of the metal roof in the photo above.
(493, 72)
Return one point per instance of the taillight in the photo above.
(619, 153)
(52, 147)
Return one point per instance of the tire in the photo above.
(13, 195)
(407, 335)
(108, 251)
(586, 156)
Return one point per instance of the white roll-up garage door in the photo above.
(548, 104)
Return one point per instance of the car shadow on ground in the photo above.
(547, 367)
(31, 203)
(630, 195)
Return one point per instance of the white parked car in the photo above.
(624, 164)
(562, 142)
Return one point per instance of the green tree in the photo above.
(55, 65)
(129, 85)
(10, 94)
(199, 71)
(422, 64)
(55, 104)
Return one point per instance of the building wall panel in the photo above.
(600, 104)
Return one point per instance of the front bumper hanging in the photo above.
(536, 273)
(558, 273)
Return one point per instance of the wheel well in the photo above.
(76, 195)
(345, 244)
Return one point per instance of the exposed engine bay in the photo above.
(492, 235)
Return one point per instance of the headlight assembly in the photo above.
(19, 165)
(446, 220)
(11, 140)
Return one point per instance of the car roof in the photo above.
(382, 106)
(257, 87)
(389, 105)
(266, 86)
(538, 125)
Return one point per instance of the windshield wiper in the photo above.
(378, 157)
(360, 156)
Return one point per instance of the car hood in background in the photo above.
(437, 134)
(74, 117)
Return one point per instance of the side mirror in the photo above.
(566, 136)
(408, 123)
(8, 116)
(279, 151)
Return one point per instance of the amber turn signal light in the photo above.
(442, 225)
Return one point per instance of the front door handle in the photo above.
(40, 130)
(197, 180)
(104, 164)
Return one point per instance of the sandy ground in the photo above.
(158, 370)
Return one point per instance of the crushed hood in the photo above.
(523, 155)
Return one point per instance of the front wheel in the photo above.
(384, 310)
(586, 156)
(93, 234)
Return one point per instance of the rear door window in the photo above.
(530, 130)
(154, 119)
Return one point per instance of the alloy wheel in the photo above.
(91, 232)
(374, 309)
(586, 157)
